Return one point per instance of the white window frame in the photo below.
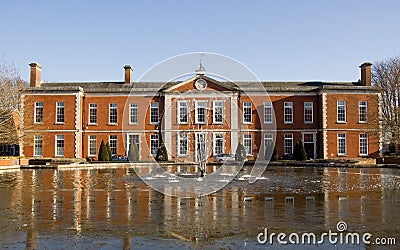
(154, 118)
(288, 139)
(59, 151)
(268, 112)
(153, 138)
(92, 107)
(92, 144)
(216, 106)
(288, 112)
(341, 106)
(133, 113)
(37, 146)
(39, 105)
(363, 144)
(111, 108)
(247, 108)
(196, 110)
(183, 136)
(182, 105)
(111, 141)
(362, 105)
(268, 137)
(217, 138)
(308, 106)
(248, 146)
(60, 112)
(340, 137)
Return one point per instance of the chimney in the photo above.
(128, 74)
(366, 74)
(35, 75)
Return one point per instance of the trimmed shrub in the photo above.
(109, 151)
(240, 154)
(162, 153)
(103, 152)
(299, 153)
(392, 148)
(270, 152)
(133, 153)
(274, 156)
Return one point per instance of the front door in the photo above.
(133, 138)
(309, 144)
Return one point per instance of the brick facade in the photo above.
(115, 112)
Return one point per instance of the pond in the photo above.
(113, 208)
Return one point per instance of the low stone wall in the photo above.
(388, 160)
(13, 162)
(98, 165)
(367, 161)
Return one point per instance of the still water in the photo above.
(114, 209)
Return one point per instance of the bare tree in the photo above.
(11, 88)
(386, 76)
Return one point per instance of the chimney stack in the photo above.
(128, 74)
(366, 74)
(35, 75)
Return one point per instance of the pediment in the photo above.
(195, 84)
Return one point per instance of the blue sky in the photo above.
(277, 40)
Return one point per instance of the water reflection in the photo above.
(46, 207)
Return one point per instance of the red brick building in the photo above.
(200, 117)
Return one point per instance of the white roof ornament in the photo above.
(200, 70)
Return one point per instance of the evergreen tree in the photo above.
(133, 153)
(274, 156)
(162, 153)
(392, 148)
(299, 153)
(269, 150)
(303, 153)
(296, 151)
(103, 153)
(109, 151)
(240, 154)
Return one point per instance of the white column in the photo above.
(380, 124)
(234, 123)
(21, 128)
(324, 127)
(168, 123)
(78, 125)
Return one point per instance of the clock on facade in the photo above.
(200, 84)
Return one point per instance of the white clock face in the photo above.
(201, 84)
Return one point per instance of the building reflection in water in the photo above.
(116, 202)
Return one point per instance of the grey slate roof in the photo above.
(121, 87)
